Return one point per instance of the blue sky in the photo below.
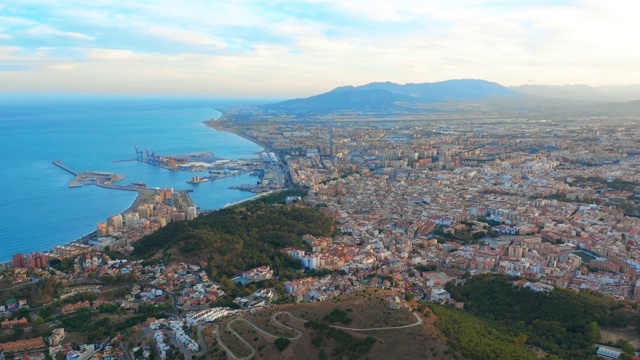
(302, 47)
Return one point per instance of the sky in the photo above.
(281, 49)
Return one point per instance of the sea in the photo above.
(38, 210)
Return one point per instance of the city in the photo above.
(361, 180)
(416, 204)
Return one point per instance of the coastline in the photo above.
(257, 196)
(212, 124)
(145, 194)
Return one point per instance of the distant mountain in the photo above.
(345, 98)
(583, 92)
(388, 96)
(628, 108)
(450, 90)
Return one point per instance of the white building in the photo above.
(86, 352)
(207, 315)
(439, 294)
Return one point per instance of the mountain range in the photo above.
(383, 96)
(388, 97)
(583, 92)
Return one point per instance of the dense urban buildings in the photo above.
(416, 204)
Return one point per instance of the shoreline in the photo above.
(143, 194)
(211, 124)
(257, 196)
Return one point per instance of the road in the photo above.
(298, 332)
(229, 353)
(173, 296)
(253, 351)
(418, 322)
(17, 286)
(201, 341)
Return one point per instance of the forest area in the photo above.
(562, 322)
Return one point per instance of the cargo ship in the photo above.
(198, 180)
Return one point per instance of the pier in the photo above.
(58, 163)
(98, 178)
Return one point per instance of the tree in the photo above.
(279, 288)
(18, 332)
(282, 343)
(626, 346)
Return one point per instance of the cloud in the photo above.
(49, 31)
(7, 52)
(61, 67)
(307, 46)
(189, 37)
(11, 21)
(110, 55)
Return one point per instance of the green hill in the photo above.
(561, 322)
(238, 239)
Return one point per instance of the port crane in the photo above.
(138, 153)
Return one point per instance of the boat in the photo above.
(142, 183)
(198, 180)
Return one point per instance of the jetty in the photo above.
(99, 178)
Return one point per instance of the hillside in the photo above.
(561, 322)
(387, 96)
(582, 92)
(237, 239)
(318, 331)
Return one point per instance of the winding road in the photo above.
(298, 332)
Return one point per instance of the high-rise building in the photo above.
(115, 221)
(192, 213)
(144, 211)
(178, 216)
(18, 261)
(166, 194)
(131, 219)
(103, 228)
(37, 260)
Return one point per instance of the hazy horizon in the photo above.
(295, 49)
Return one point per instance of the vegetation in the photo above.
(338, 315)
(282, 343)
(421, 267)
(561, 322)
(489, 222)
(96, 329)
(238, 239)
(347, 346)
(615, 184)
(477, 340)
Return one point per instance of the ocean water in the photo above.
(37, 209)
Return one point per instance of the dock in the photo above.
(98, 178)
(58, 163)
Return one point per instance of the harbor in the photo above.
(216, 176)
(178, 130)
(98, 178)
